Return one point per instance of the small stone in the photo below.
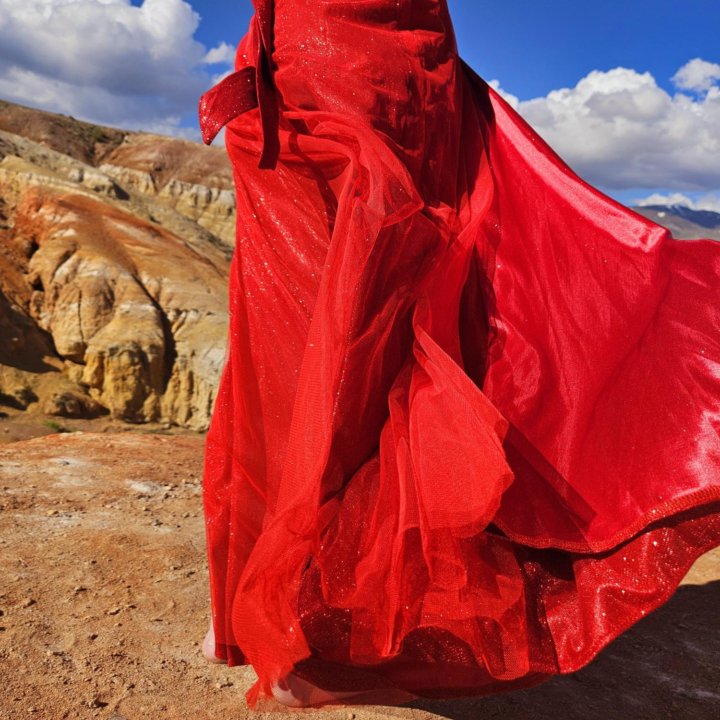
(27, 602)
(114, 611)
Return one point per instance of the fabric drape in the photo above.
(468, 428)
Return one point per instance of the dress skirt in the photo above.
(468, 426)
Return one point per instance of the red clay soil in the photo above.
(103, 604)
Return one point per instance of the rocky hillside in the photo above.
(114, 256)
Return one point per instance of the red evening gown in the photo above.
(468, 427)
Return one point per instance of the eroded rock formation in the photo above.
(113, 271)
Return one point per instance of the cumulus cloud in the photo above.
(620, 130)
(698, 75)
(106, 61)
(223, 53)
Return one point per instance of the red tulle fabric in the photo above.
(468, 428)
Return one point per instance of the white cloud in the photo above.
(698, 75)
(106, 61)
(223, 53)
(708, 201)
(619, 129)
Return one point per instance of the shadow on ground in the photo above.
(666, 666)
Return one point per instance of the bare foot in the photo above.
(293, 691)
(208, 646)
(283, 694)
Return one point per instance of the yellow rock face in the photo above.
(113, 275)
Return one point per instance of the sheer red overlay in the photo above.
(468, 427)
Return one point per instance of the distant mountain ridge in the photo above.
(704, 218)
(682, 221)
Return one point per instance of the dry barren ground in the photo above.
(103, 602)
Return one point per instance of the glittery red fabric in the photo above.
(468, 429)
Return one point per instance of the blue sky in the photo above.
(533, 47)
(627, 92)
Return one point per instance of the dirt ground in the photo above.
(103, 604)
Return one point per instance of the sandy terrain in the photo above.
(103, 603)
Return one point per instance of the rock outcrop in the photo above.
(194, 180)
(113, 272)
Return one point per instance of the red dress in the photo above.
(468, 429)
